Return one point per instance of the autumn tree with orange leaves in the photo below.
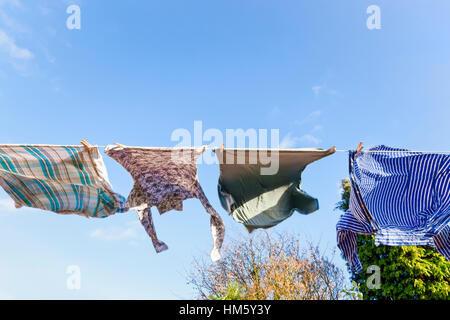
(267, 266)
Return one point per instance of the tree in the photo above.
(407, 272)
(267, 267)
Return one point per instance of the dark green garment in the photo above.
(263, 201)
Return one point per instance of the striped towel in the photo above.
(62, 179)
(403, 198)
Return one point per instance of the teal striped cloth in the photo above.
(62, 179)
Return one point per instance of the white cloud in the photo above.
(8, 45)
(11, 3)
(309, 118)
(332, 91)
(289, 141)
(48, 56)
(275, 111)
(129, 232)
(314, 114)
(45, 10)
(318, 89)
(309, 139)
(17, 56)
(12, 24)
(54, 82)
(50, 31)
(7, 205)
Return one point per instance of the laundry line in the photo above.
(73, 179)
(399, 151)
(234, 149)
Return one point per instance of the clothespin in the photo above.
(359, 148)
(119, 146)
(86, 145)
(223, 146)
(332, 150)
(203, 148)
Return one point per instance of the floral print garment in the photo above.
(164, 178)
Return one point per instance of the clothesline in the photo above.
(248, 149)
(73, 179)
(406, 151)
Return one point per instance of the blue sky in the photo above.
(138, 70)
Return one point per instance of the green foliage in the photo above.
(407, 272)
(354, 293)
(234, 291)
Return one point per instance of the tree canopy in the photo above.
(268, 266)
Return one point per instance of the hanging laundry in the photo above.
(62, 179)
(164, 178)
(260, 200)
(401, 197)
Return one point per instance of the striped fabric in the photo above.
(62, 179)
(403, 198)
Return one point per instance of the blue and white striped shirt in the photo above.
(403, 198)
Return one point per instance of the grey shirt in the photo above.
(263, 201)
